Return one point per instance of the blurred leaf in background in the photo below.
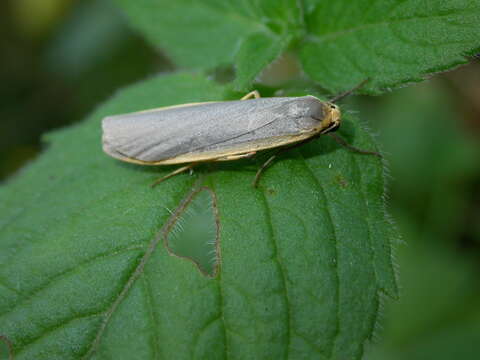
(430, 134)
(58, 60)
(35, 19)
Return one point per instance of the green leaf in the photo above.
(84, 269)
(391, 42)
(340, 43)
(208, 33)
(266, 50)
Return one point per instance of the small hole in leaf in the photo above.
(194, 233)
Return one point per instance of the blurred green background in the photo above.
(60, 58)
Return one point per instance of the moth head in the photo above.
(314, 115)
(333, 119)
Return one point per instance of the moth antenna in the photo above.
(348, 92)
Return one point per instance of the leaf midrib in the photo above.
(139, 270)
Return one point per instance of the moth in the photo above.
(217, 131)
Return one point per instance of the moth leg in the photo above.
(336, 137)
(173, 173)
(343, 143)
(262, 168)
(236, 157)
(252, 94)
(273, 157)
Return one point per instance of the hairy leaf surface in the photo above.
(84, 271)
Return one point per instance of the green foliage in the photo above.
(205, 34)
(303, 259)
(391, 42)
(303, 262)
(265, 49)
(339, 43)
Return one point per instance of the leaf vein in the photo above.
(53, 328)
(335, 248)
(281, 270)
(138, 271)
(221, 295)
(64, 273)
(151, 313)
